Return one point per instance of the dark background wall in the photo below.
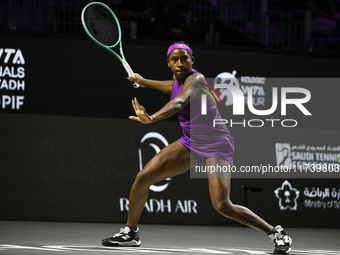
(78, 78)
(69, 153)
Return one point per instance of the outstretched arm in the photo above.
(189, 92)
(162, 86)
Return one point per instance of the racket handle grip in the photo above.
(130, 72)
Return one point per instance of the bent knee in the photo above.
(141, 178)
(224, 207)
(144, 178)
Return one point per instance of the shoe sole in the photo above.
(133, 243)
(283, 252)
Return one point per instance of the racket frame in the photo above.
(119, 41)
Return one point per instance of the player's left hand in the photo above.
(142, 116)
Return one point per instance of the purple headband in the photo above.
(179, 46)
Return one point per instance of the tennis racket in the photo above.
(102, 26)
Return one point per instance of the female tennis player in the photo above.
(201, 142)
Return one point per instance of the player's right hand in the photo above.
(137, 79)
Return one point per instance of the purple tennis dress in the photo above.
(200, 137)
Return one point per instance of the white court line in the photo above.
(200, 250)
(105, 249)
(138, 250)
(248, 251)
(317, 252)
(6, 247)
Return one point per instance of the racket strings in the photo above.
(102, 25)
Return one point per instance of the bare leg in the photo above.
(172, 160)
(219, 188)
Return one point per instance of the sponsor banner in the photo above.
(323, 198)
(12, 79)
(309, 199)
(58, 166)
(309, 158)
(158, 203)
(292, 202)
(72, 78)
(86, 163)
